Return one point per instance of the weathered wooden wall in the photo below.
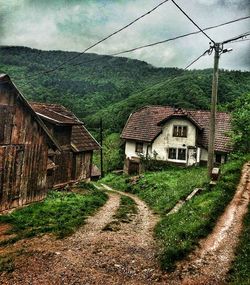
(63, 163)
(23, 152)
(82, 165)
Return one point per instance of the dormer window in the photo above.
(139, 147)
(180, 131)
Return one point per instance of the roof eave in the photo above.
(27, 105)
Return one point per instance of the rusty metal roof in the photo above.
(55, 113)
(145, 125)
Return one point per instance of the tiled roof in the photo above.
(55, 113)
(144, 125)
(81, 140)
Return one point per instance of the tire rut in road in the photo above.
(93, 256)
(210, 263)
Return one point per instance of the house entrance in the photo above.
(133, 168)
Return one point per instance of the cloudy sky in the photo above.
(76, 24)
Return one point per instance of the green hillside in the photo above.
(95, 86)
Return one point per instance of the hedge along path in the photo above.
(91, 255)
(210, 263)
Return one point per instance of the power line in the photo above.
(166, 40)
(239, 41)
(105, 38)
(194, 61)
(182, 71)
(236, 38)
(191, 20)
(148, 45)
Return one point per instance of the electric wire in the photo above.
(191, 20)
(239, 41)
(236, 38)
(105, 38)
(167, 40)
(140, 47)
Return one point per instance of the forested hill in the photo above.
(95, 86)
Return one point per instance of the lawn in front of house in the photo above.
(61, 213)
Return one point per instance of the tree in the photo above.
(241, 124)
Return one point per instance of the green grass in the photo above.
(60, 213)
(161, 190)
(240, 273)
(179, 233)
(126, 209)
(6, 263)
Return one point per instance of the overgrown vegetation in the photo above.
(240, 273)
(60, 213)
(180, 232)
(161, 190)
(6, 263)
(112, 87)
(113, 153)
(127, 209)
(240, 124)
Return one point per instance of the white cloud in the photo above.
(79, 24)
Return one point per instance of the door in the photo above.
(11, 165)
(133, 168)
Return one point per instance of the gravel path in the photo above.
(210, 263)
(92, 256)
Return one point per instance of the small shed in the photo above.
(24, 145)
(74, 162)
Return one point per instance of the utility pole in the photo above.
(212, 124)
(101, 151)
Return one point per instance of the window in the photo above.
(182, 154)
(180, 131)
(172, 153)
(177, 153)
(139, 147)
(218, 158)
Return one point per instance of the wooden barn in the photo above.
(25, 143)
(74, 162)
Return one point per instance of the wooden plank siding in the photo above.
(74, 162)
(23, 151)
(82, 164)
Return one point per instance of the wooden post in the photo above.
(101, 151)
(212, 123)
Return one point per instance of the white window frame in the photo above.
(176, 154)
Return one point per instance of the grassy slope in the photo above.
(161, 190)
(179, 233)
(240, 273)
(60, 213)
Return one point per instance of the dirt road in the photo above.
(210, 263)
(93, 256)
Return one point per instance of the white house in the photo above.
(173, 135)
